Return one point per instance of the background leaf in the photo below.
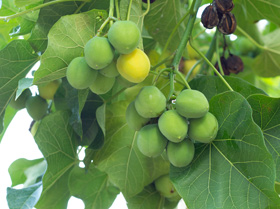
(67, 39)
(8, 117)
(56, 140)
(16, 59)
(235, 170)
(24, 198)
(92, 186)
(266, 113)
(126, 166)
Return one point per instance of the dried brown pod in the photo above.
(234, 64)
(227, 24)
(223, 6)
(224, 65)
(209, 17)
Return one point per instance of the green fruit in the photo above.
(123, 82)
(48, 90)
(133, 119)
(150, 141)
(191, 104)
(124, 36)
(102, 84)
(36, 107)
(204, 129)
(180, 154)
(110, 71)
(170, 204)
(79, 74)
(150, 102)
(21, 100)
(173, 126)
(165, 187)
(98, 52)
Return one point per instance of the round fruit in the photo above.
(165, 187)
(173, 126)
(180, 154)
(47, 90)
(135, 66)
(150, 141)
(79, 74)
(192, 104)
(102, 84)
(21, 100)
(188, 64)
(150, 102)
(204, 129)
(110, 71)
(98, 52)
(124, 36)
(36, 107)
(133, 119)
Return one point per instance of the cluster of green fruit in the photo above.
(105, 58)
(36, 106)
(174, 130)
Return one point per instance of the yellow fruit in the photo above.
(134, 67)
(188, 64)
(191, 52)
(48, 90)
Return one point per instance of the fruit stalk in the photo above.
(218, 54)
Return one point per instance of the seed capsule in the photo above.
(227, 24)
(234, 64)
(209, 17)
(223, 6)
(224, 66)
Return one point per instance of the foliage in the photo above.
(238, 169)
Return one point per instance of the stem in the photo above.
(212, 66)
(115, 95)
(129, 9)
(159, 74)
(111, 11)
(218, 55)
(171, 79)
(191, 70)
(80, 7)
(148, 8)
(161, 62)
(6, 18)
(99, 31)
(117, 8)
(183, 79)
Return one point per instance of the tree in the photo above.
(233, 165)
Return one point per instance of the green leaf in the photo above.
(8, 117)
(67, 39)
(259, 9)
(149, 198)
(23, 84)
(162, 18)
(23, 3)
(120, 157)
(56, 140)
(212, 85)
(24, 198)
(23, 171)
(92, 186)
(101, 117)
(266, 113)
(18, 56)
(267, 64)
(235, 170)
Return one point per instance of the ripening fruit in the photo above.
(36, 107)
(98, 52)
(102, 84)
(150, 141)
(204, 129)
(135, 66)
(110, 71)
(165, 187)
(133, 119)
(188, 64)
(48, 90)
(124, 36)
(173, 126)
(79, 74)
(192, 104)
(180, 154)
(150, 102)
(21, 100)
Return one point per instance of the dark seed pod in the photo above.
(234, 64)
(151, 1)
(227, 24)
(209, 17)
(224, 65)
(223, 6)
